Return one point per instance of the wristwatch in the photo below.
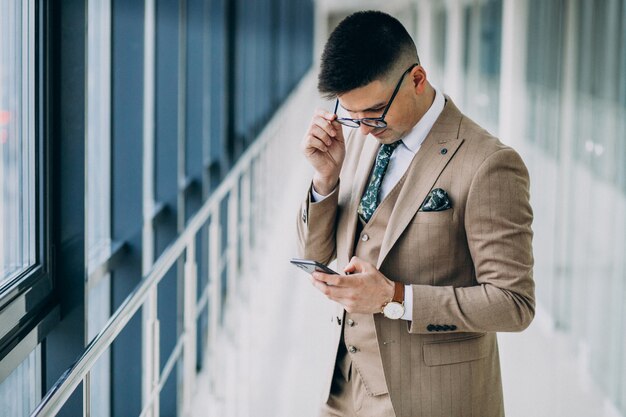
(394, 309)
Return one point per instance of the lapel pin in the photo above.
(444, 151)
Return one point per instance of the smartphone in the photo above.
(312, 266)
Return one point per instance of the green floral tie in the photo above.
(369, 201)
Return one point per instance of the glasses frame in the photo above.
(376, 122)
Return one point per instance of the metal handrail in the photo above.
(64, 387)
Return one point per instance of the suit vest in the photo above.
(359, 339)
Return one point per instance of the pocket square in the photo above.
(436, 200)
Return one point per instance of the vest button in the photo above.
(351, 349)
(365, 238)
(350, 322)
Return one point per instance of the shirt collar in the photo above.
(418, 134)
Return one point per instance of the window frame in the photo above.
(27, 306)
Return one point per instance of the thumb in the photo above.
(355, 265)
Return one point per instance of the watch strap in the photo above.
(398, 295)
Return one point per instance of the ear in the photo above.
(418, 75)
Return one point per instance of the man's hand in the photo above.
(324, 147)
(364, 291)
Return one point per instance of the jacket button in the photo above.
(438, 328)
(430, 328)
(446, 327)
(444, 151)
(350, 322)
(352, 349)
(453, 327)
(365, 238)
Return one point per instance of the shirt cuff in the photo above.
(408, 303)
(317, 197)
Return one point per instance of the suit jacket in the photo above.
(470, 267)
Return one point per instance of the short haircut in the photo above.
(363, 48)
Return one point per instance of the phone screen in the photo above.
(312, 266)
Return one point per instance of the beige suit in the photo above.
(470, 268)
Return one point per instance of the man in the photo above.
(428, 215)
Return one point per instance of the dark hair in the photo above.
(361, 49)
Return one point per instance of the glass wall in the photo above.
(27, 378)
(593, 296)
(98, 173)
(20, 370)
(17, 141)
(575, 134)
(481, 61)
(439, 46)
(568, 98)
(114, 132)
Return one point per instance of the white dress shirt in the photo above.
(399, 163)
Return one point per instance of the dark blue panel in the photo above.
(166, 175)
(168, 314)
(126, 190)
(166, 109)
(66, 118)
(127, 117)
(219, 102)
(167, 402)
(195, 105)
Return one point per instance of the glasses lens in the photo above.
(348, 122)
(374, 123)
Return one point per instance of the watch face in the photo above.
(393, 310)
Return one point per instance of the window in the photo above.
(24, 286)
(481, 61)
(17, 142)
(98, 176)
(544, 69)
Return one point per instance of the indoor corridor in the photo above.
(151, 177)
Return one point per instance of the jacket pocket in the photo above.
(464, 349)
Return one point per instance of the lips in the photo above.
(379, 133)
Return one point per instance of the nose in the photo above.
(365, 129)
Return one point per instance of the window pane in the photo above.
(17, 167)
(98, 132)
(21, 390)
(99, 192)
(482, 43)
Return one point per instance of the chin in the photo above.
(385, 137)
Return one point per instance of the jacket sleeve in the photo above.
(498, 221)
(316, 225)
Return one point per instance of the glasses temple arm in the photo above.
(396, 90)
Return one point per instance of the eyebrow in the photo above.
(372, 108)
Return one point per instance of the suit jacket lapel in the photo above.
(423, 172)
(361, 179)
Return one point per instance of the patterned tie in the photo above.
(369, 201)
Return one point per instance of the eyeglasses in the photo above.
(377, 122)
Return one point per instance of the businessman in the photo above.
(428, 216)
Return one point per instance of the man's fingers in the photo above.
(319, 133)
(324, 288)
(355, 265)
(329, 279)
(325, 125)
(325, 114)
(339, 130)
(313, 143)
